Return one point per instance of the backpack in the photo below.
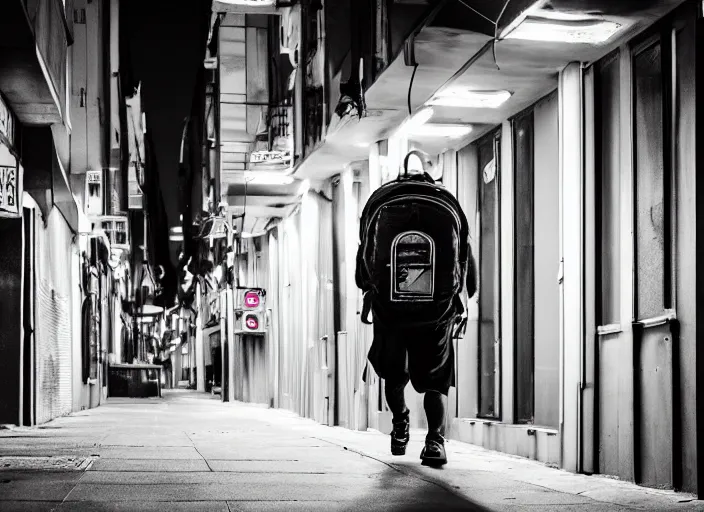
(414, 254)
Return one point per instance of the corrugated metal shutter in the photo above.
(53, 365)
(53, 357)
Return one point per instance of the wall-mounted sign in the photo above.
(10, 191)
(11, 183)
(270, 157)
(489, 172)
(94, 193)
(7, 122)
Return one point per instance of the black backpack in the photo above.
(414, 255)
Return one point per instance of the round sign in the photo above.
(252, 322)
(251, 299)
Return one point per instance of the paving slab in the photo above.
(29, 506)
(151, 506)
(359, 466)
(172, 465)
(227, 478)
(394, 488)
(142, 439)
(366, 505)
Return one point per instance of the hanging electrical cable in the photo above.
(496, 32)
(495, 23)
(410, 87)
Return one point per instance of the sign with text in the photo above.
(7, 122)
(9, 191)
(270, 157)
(94, 193)
(10, 184)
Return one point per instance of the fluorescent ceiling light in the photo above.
(267, 178)
(261, 3)
(441, 130)
(461, 97)
(591, 31)
(418, 126)
(420, 118)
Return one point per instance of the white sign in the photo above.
(273, 157)
(10, 193)
(94, 193)
(7, 122)
(489, 172)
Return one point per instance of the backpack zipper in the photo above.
(439, 202)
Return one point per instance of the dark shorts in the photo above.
(424, 354)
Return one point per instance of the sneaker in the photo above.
(433, 453)
(400, 436)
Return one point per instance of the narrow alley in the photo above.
(189, 452)
(351, 254)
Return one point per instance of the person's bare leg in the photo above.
(435, 405)
(396, 400)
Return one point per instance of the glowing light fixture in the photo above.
(559, 29)
(418, 126)
(461, 97)
(176, 234)
(257, 3)
(267, 178)
(419, 119)
(441, 130)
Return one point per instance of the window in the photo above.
(652, 206)
(488, 274)
(608, 148)
(537, 255)
(523, 265)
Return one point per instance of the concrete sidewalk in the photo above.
(190, 452)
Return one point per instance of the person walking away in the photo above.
(413, 262)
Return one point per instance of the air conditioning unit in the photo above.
(250, 311)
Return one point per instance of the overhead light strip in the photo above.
(593, 31)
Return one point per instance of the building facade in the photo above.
(574, 155)
(60, 272)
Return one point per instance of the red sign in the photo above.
(251, 299)
(252, 322)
